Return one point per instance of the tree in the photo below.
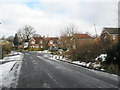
(16, 42)
(3, 37)
(69, 30)
(26, 32)
(66, 35)
(113, 54)
(113, 59)
(10, 38)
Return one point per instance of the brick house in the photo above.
(53, 43)
(80, 40)
(64, 42)
(36, 42)
(109, 35)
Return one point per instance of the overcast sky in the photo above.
(49, 17)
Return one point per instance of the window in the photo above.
(32, 42)
(51, 42)
(41, 42)
(114, 37)
(41, 46)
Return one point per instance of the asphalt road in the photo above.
(40, 72)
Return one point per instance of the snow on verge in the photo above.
(9, 71)
(102, 57)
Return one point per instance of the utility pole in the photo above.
(95, 27)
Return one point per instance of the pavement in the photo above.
(40, 72)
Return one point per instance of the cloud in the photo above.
(48, 17)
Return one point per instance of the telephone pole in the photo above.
(95, 27)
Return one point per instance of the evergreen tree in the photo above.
(16, 42)
(113, 54)
(113, 59)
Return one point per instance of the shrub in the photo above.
(41, 49)
(55, 53)
(34, 49)
(85, 53)
(6, 49)
(112, 59)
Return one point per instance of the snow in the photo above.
(88, 64)
(105, 74)
(7, 70)
(94, 64)
(102, 57)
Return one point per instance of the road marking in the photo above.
(39, 57)
(54, 79)
(31, 57)
(27, 53)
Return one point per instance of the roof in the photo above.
(111, 30)
(82, 36)
(96, 40)
(53, 38)
(37, 39)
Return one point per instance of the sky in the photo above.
(50, 17)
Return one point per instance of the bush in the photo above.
(112, 59)
(64, 49)
(55, 53)
(34, 49)
(85, 53)
(41, 49)
(6, 49)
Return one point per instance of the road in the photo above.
(40, 72)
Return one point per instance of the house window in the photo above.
(113, 37)
(41, 46)
(36, 46)
(41, 42)
(51, 42)
(32, 42)
(105, 37)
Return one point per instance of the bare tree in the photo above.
(69, 30)
(10, 38)
(66, 35)
(26, 32)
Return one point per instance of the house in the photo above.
(96, 40)
(53, 43)
(80, 40)
(109, 36)
(36, 42)
(64, 42)
(25, 44)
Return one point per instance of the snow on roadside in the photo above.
(80, 63)
(108, 75)
(94, 64)
(4, 74)
(7, 70)
(102, 57)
